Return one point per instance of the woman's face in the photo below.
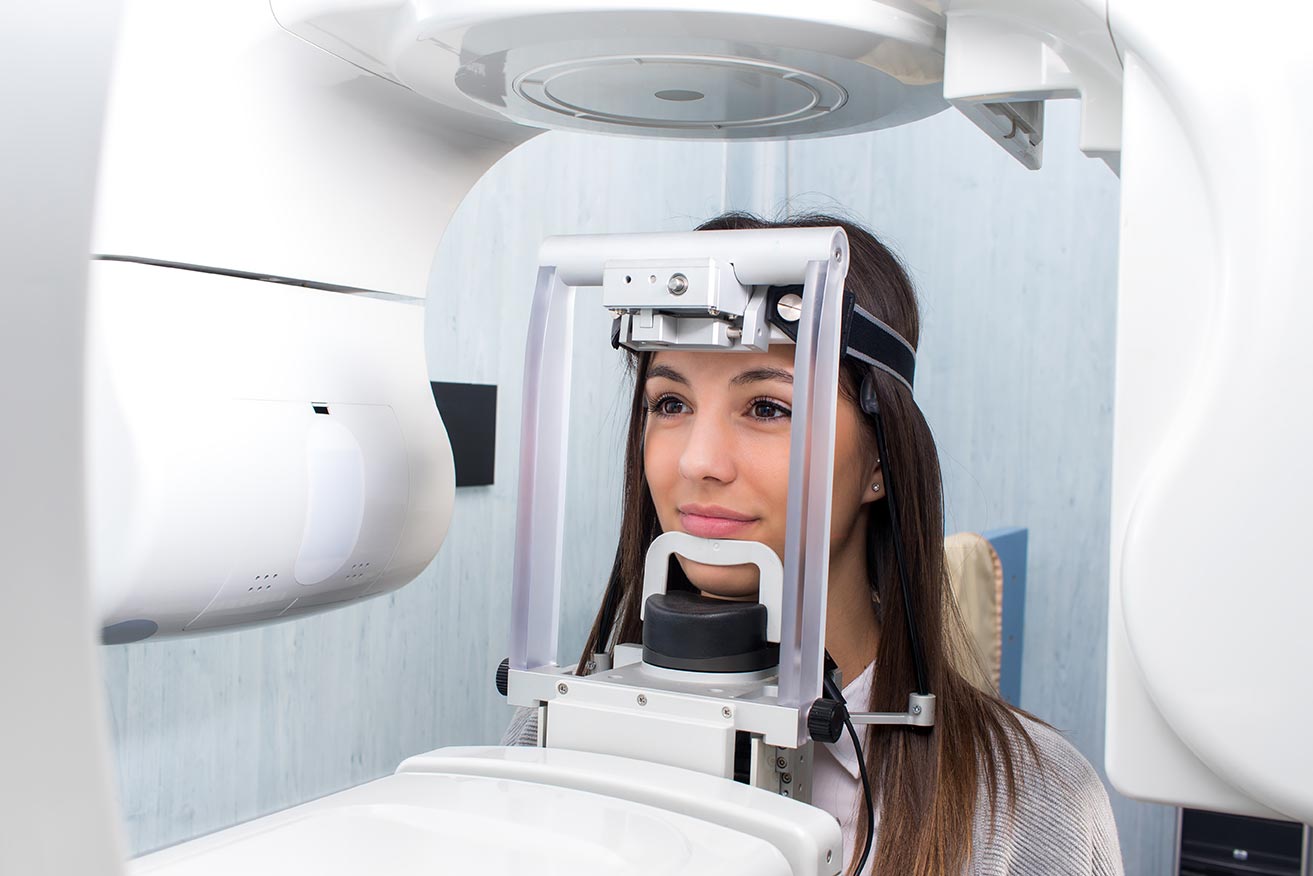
(716, 453)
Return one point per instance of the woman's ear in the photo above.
(875, 484)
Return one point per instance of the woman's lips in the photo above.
(713, 522)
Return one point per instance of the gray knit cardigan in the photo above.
(1062, 825)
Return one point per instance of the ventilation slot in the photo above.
(262, 582)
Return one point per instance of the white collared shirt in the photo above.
(836, 782)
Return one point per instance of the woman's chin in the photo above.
(722, 582)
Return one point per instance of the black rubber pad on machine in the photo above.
(696, 633)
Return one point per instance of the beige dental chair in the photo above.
(990, 657)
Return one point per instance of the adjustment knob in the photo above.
(503, 675)
(825, 720)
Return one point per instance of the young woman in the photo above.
(988, 789)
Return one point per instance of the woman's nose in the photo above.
(709, 452)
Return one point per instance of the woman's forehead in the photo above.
(715, 366)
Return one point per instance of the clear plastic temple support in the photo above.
(811, 485)
(540, 511)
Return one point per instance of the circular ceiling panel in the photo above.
(676, 92)
(714, 72)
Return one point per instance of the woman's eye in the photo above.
(764, 409)
(667, 406)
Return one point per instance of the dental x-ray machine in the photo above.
(230, 422)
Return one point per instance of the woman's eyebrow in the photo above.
(759, 374)
(667, 372)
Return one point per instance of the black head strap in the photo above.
(865, 337)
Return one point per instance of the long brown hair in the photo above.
(927, 781)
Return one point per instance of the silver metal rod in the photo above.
(811, 484)
(920, 713)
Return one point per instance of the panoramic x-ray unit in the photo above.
(228, 420)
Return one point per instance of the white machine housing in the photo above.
(262, 441)
(233, 149)
(513, 810)
(289, 457)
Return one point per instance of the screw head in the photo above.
(829, 855)
(562, 688)
(780, 763)
(786, 778)
(838, 255)
(916, 710)
(642, 699)
(678, 284)
(789, 307)
(727, 712)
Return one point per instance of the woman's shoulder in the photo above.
(523, 729)
(1060, 820)
(1055, 763)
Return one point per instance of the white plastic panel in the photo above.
(57, 795)
(1210, 700)
(1022, 50)
(681, 68)
(438, 820)
(705, 746)
(1168, 309)
(256, 450)
(335, 500)
(717, 552)
(807, 837)
(230, 143)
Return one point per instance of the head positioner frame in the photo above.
(814, 257)
(694, 290)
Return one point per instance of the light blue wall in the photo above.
(1016, 272)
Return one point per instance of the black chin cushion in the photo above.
(694, 632)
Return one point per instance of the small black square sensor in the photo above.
(469, 411)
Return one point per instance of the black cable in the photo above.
(832, 691)
(872, 406)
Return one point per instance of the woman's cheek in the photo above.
(655, 470)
